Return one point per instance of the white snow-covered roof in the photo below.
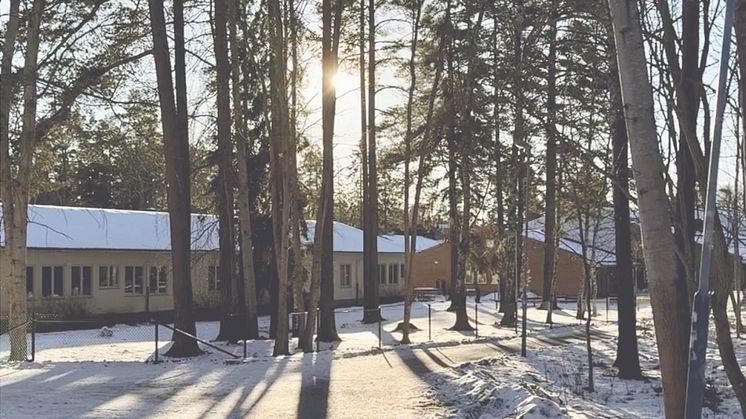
(726, 219)
(350, 239)
(394, 243)
(58, 227)
(600, 235)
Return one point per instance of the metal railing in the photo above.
(191, 336)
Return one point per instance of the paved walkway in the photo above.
(325, 385)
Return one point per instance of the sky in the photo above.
(347, 125)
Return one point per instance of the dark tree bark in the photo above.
(410, 225)
(684, 225)
(280, 133)
(248, 304)
(740, 31)
(467, 123)
(330, 45)
(720, 281)
(550, 213)
(296, 211)
(627, 354)
(176, 149)
(511, 307)
(498, 150)
(229, 324)
(370, 229)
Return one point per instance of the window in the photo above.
(30, 281)
(133, 276)
(81, 278)
(108, 277)
(157, 280)
(394, 274)
(401, 271)
(51, 281)
(469, 278)
(213, 278)
(345, 276)
(381, 274)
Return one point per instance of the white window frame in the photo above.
(345, 275)
(132, 289)
(78, 291)
(161, 280)
(54, 292)
(111, 276)
(382, 274)
(393, 273)
(30, 292)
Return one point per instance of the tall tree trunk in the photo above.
(428, 140)
(498, 149)
(550, 212)
(363, 147)
(720, 281)
(280, 180)
(296, 211)
(587, 288)
(176, 149)
(467, 123)
(370, 229)
(15, 192)
(248, 308)
(229, 329)
(659, 251)
(330, 44)
(511, 307)
(409, 227)
(627, 354)
(685, 228)
(739, 27)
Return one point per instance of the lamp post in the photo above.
(701, 310)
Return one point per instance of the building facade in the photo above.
(92, 261)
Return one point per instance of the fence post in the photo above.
(380, 335)
(318, 326)
(156, 342)
(33, 338)
(429, 324)
(244, 348)
(476, 320)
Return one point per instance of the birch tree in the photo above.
(647, 164)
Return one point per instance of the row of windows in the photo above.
(390, 274)
(81, 280)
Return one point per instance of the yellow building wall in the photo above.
(114, 300)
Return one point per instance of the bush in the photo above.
(61, 309)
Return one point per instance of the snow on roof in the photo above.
(726, 219)
(395, 242)
(350, 239)
(600, 235)
(58, 227)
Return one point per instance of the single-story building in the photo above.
(105, 261)
(431, 268)
(600, 236)
(94, 261)
(348, 262)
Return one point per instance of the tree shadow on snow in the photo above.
(315, 383)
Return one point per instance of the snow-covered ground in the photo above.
(455, 374)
